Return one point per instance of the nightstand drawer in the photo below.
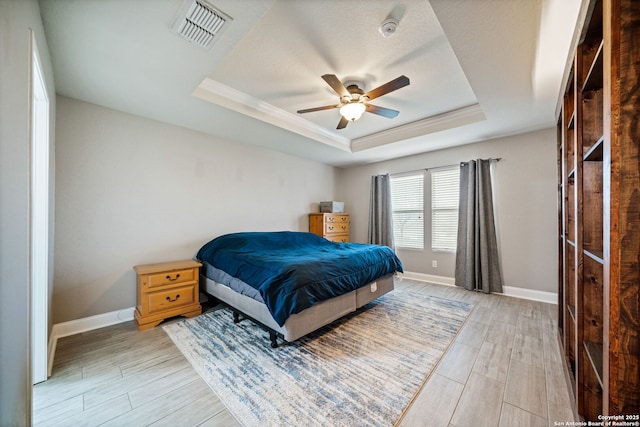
(171, 277)
(168, 299)
(166, 289)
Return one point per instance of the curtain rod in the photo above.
(497, 159)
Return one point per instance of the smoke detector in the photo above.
(388, 27)
(200, 23)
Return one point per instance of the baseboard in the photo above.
(510, 291)
(431, 278)
(531, 294)
(85, 324)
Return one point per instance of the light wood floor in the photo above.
(503, 369)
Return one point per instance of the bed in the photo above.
(293, 283)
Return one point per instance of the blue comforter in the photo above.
(294, 270)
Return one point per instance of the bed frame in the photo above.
(300, 324)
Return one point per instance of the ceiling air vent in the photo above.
(200, 23)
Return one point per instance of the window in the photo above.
(445, 188)
(407, 201)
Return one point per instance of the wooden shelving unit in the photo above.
(599, 185)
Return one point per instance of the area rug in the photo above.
(363, 369)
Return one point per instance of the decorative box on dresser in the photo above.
(599, 146)
(331, 226)
(165, 290)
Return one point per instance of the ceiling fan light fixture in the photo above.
(354, 102)
(352, 111)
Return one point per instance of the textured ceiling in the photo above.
(478, 68)
(281, 60)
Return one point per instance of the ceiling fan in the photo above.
(354, 101)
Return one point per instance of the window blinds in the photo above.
(407, 201)
(445, 184)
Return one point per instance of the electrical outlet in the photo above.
(434, 263)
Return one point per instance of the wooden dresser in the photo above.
(331, 226)
(165, 290)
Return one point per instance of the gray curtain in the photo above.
(477, 263)
(380, 213)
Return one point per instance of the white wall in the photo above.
(16, 19)
(525, 194)
(132, 190)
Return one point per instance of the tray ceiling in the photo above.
(478, 68)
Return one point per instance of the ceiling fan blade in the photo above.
(343, 123)
(381, 111)
(336, 85)
(394, 84)
(326, 107)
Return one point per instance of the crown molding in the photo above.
(217, 93)
(225, 96)
(450, 119)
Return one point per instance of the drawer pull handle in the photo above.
(173, 300)
(175, 278)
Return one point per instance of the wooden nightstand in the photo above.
(165, 290)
